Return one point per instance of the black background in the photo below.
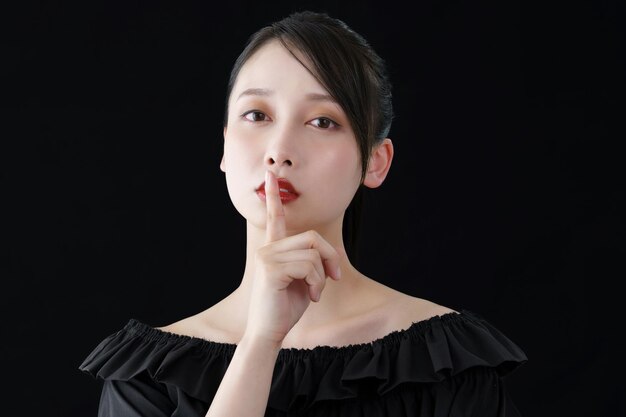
(504, 196)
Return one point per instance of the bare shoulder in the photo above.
(421, 308)
(382, 310)
(199, 326)
(402, 310)
(178, 327)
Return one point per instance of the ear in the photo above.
(379, 164)
(222, 165)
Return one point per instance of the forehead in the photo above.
(274, 67)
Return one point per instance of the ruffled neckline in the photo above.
(139, 328)
(428, 351)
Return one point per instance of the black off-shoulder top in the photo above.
(448, 365)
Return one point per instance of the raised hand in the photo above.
(290, 271)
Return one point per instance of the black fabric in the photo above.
(448, 365)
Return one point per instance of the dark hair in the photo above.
(354, 75)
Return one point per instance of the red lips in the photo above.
(287, 190)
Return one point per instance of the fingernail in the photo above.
(338, 274)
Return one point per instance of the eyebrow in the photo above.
(264, 92)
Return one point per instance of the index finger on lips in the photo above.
(275, 225)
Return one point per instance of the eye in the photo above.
(255, 116)
(325, 123)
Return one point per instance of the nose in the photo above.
(280, 151)
(278, 160)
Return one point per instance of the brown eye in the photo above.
(255, 116)
(325, 123)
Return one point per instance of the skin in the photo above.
(298, 286)
(293, 137)
(325, 162)
(285, 297)
(292, 248)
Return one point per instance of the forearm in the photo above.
(245, 388)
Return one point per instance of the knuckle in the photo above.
(313, 255)
(321, 278)
(312, 236)
(320, 286)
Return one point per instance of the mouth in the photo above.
(287, 191)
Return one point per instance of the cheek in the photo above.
(237, 156)
(343, 169)
(237, 166)
(346, 161)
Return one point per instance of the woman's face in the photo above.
(280, 118)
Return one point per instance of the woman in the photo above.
(307, 116)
